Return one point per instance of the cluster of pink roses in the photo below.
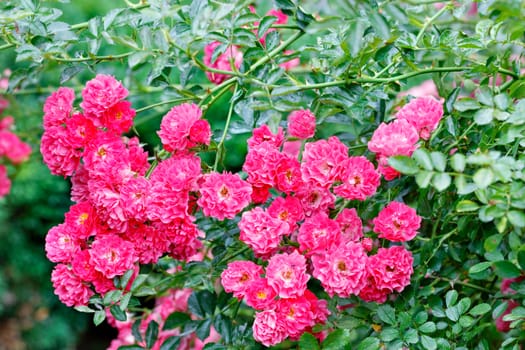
(233, 56)
(417, 119)
(297, 236)
(12, 149)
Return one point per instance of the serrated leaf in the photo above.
(516, 218)
(452, 313)
(484, 116)
(388, 334)
(273, 39)
(337, 340)
(441, 181)
(423, 178)
(387, 314)
(484, 95)
(369, 343)
(439, 160)
(202, 303)
(152, 332)
(137, 58)
(428, 343)
(466, 104)
(451, 297)
(492, 242)
(480, 309)
(138, 281)
(117, 312)
(176, 319)
(203, 329)
(483, 177)
(308, 341)
(422, 157)
(99, 316)
(427, 327)
(466, 206)
(171, 343)
(403, 164)
(265, 24)
(506, 269)
(458, 162)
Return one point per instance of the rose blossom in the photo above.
(323, 160)
(68, 287)
(397, 222)
(286, 274)
(350, 224)
(259, 294)
(231, 56)
(342, 270)
(99, 95)
(318, 234)
(287, 209)
(111, 255)
(182, 128)
(301, 124)
(391, 268)
(264, 134)
(61, 244)
(424, 113)
(239, 275)
(223, 195)
(360, 179)
(5, 183)
(58, 107)
(268, 328)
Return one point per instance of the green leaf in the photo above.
(452, 313)
(308, 342)
(83, 308)
(135, 330)
(457, 162)
(483, 177)
(428, 343)
(272, 40)
(117, 312)
(152, 332)
(265, 24)
(138, 281)
(422, 157)
(521, 259)
(480, 309)
(411, 336)
(451, 297)
(423, 178)
(466, 104)
(479, 267)
(388, 334)
(492, 242)
(403, 164)
(484, 95)
(337, 340)
(370, 343)
(441, 181)
(439, 160)
(516, 218)
(202, 303)
(99, 316)
(484, 116)
(224, 326)
(387, 314)
(502, 101)
(466, 206)
(357, 27)
(506, 269)
(170, 343)
(176, 319)
(427, 327)
(203, 329)
(463, 305)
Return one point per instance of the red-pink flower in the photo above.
(342, 269)
(397, 222)
(119, 117)
(259, 294)
(424, 113)
(288, 175)
(60, 156)
(223, 195)
(390, 268)
(5, 183)
(268, 328)
(350, 224)
(323, 160)
(182, 126)
(239, 275)
(58, 107)
(149, 243)
(261, 164)
(62, 244)
(286, 274)
(134, 195)
(261, 232)
(81, 219)
(301, 124)
(360, 179)
(101, 94)
(81, 130)
(69, 288)
(287, 209)
(396, 138)
(296, 314)
(318, 234)
(502, 325)
(111, 255)
(315, 198)
(264, 134)
(231, 56)
(13, 148)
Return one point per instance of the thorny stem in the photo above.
(429, 21)
(466, 284)
(175, 100)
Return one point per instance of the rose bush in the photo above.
(376, 203)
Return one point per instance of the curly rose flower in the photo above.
(261, 232)
(424, 113)
(82, 219)
(261, 164)
(118, 118)
(239, 275)
(260, 295)
(182, 126)
(58, 107)
(323, 160)
(296, 314)
(101, 94)
(342, 270)
(288, 175)
(397, 222)
(318, 234)
(231, 56)
(360, 179)
(61, 157)
(264, 134)
(14, 149)
(148, 242)
(315, 199)
(286, 274)
(287, 209)
(134, 195)
(350, 224)
(112, 256)
(223, 195)
(269, 328)
(391, 268)
(301, 124)
(68, 287)
(62, 244)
